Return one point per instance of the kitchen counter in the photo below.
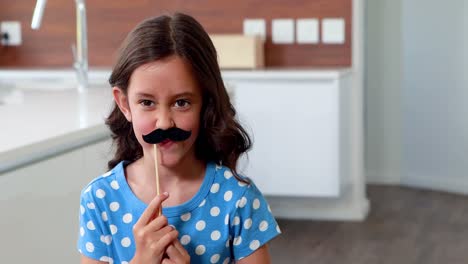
(43, 115)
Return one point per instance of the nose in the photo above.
(164, 120)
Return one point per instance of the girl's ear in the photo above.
(122, 102)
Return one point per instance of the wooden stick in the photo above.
(156, 173)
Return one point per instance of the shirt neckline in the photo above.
(169, 211)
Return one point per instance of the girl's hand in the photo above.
(152, 234)
(176, 254)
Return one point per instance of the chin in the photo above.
(171, 160)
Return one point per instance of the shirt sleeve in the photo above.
(92, 241)
(253, 224)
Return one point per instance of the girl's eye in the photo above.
(182, 103)
(146, 103)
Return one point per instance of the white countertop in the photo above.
(44, 115)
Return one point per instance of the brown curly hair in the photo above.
(221, 138)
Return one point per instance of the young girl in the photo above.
(167, 78)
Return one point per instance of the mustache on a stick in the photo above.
(173, 133)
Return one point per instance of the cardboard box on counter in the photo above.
(236, 51)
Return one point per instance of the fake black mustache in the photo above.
(173, 133)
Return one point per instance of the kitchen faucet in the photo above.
(80, 51)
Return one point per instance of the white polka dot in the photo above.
(90, 225)
(104, 258)
(91, 205)
(124, 262)
(126, 242)
(89, 247)
(104, 216)
(214, 188)
(215, 258)
(107, 174)
(242, 184)
(237, 203)
(269, 209)
(228, 241)
(226, 219)
(248, 223)
(256, 204)
(185, 239)
(186, 217)
(263, 226)
(127, 218)
(88, 189)
(278, 229)
(100, 193)
(215, 235)
(114, 206)
(200, 225)
(200, 250)
(243, 202)
(237, 241)
(106, 240)
(236, 220)
(82, 209)
(202, 203)
(214, 211)
(113, 229)
(82, 232)
(227, 174)
(115, 185)
(254, 244)
(228, 196)
(226, 261)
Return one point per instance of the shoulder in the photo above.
(232, 187)
(102, 184)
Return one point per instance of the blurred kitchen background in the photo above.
(376, 89)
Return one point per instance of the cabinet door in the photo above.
(40, 206)
(295, 132)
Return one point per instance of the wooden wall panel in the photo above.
(110, 21)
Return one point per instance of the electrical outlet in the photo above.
(254, 27)
(333, 31)
(10, 33)
(307, 31)
(282, 31)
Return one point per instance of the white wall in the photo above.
(435, 95)
(383, 91)
(417, 93)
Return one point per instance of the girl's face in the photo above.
(163, 94)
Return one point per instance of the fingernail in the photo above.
(165, 193)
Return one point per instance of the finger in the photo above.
(156, 224)
(180, 248)
(168, 261)
(152, 208)
(159, 234)
(173, 253)
(161, 245)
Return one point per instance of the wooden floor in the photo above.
(404, 226)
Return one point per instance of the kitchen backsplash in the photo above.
(307, 33)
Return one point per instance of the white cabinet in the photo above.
(39, 204)
(299, 126)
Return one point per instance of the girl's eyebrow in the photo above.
(188, 94)
(144, 95)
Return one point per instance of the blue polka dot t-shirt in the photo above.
(226, 220)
